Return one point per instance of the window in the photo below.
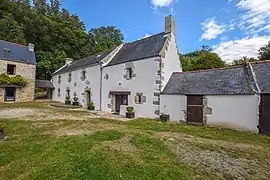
(140, 98)
(83, 75)
(6, 51)
(129, 73)
(69, 77)
(58, 93)
(11, 69)
(68, 93)
(59, 79)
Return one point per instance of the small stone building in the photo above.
(17, 72)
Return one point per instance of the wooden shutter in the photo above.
(143, 99)
(136, 99)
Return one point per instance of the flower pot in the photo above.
(130, 115)
(75, 103)
(91, 108)
(2, 135)
(164, 118)
(68, 102)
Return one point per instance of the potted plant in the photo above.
(68, 100)
(1, 132)
(75, 101)
(130, 112)
(91, 106)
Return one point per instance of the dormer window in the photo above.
(11, 69)
(69, 77)
(6, 51)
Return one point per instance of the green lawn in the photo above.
(139, 149)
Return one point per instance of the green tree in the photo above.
(106, 37)
(264, 52)
(10, 30)
(200, 59)
(242, 61)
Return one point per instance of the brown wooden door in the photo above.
(264, 117)
(120, 100)
(195, 109)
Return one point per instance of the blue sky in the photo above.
(234, 28)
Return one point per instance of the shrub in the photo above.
(75, 99)
(18, 79)
(67, 98)
(130, 109)
(91, 104)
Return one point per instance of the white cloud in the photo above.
(236, 49)
(162, 3)
(211, 29)
(256, 16)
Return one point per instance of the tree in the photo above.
(106, 37)
(264, 52)
(56, 33)
(203, 58)
(10, 30)
(242, 61)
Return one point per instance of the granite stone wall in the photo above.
(28, 71)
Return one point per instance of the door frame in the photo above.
(121, 98)
(195, 110)
(5, 96)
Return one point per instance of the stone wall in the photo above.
(28, 71)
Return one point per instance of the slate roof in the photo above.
(210, 82)
(143, 48)
(87, 61)
(44, 84)
(17, 52)
(262, 73)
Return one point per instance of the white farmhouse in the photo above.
(132, 74)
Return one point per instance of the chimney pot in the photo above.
(31, 47)
(68, 61)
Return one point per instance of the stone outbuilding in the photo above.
(17, 72)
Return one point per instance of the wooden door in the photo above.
(195, 109)
(264, 117)
(120, 99)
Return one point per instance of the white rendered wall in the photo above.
(173, 105)
(171, 60)
(92, 76)
(234, 111)
(144, 82)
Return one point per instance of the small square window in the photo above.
(6, 51)
(11, 69)
(58, 92)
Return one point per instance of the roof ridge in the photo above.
(13, 43)
(145, 38)
(95, 54)
(205, 70)
(259, 61)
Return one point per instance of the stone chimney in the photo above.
(68, 61)
(31, 47)
(169, 25)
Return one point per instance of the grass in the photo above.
(137, 149)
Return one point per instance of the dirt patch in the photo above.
(222, 164)
(122, 145)
(17, 113)
(81, 129)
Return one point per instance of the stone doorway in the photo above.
(87, 97)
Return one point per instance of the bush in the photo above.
(67, 98)
(18, 80)
(130, 109)
(91, 104)
(75, 99)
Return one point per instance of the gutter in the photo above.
(100, 90)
